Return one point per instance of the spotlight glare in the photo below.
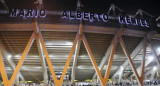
(154, 68)
(121, 67)
(9, 56)
(158, 50)
(150, 58)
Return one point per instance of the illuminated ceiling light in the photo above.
(9, 56)
(121, 67)
(58, 46)
(158, 49)
(154, 68)
(50, 55)
(69, 43)
(38, 67)
(17, 56)
(150, 58)
(83, 56)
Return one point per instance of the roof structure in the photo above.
(59, 36)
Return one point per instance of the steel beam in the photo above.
(133, 55)
(21, 60)
(130, 62)
(41, 54)
(151, 72)
(9, 60)
(112, 7)
(2, 70)
(155, 55)
(104, 59)
(93, 61)
(110, 60)
(143, 60)
(147, 61)
(120, 74)
(56, 81)
(17, 69)
(76, 53)
(104, 80)
(69, 28)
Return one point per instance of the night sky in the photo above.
(129, 6)
(150, 6)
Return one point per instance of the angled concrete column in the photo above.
(40, 50)
(130, 62)
(120, 74)
(75, 61)
(151, 72)
(133, 55)
(104, 60)
(155, 55)
(45, 73)
(16, 82)
(9, 60)
(76, 53)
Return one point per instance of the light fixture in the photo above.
(158, 50)
(9, 56)
(69, 43)
(50, 55)
(121, 67)
(17, 56)
(150, 58)
(154, 68)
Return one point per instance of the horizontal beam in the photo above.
(69, 28)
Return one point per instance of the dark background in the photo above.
(131, 6)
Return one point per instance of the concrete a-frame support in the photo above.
(151, 72)
(133, 55)
(58, 82)
(155, 55)
(104, 60)
(11, 63)
(131, 62)
(17, 69)
(76, 53)
(104, 80)
(120, 75)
